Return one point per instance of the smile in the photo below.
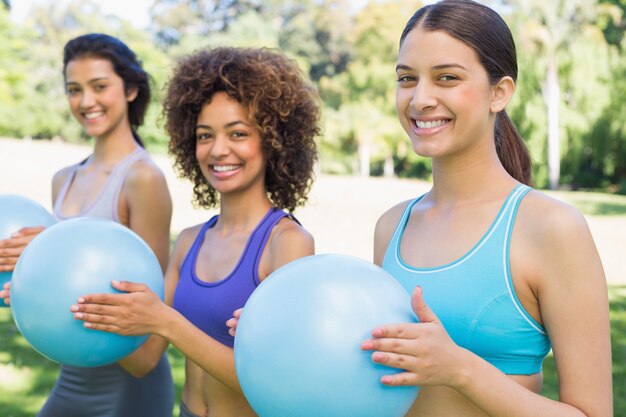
(430, 123)
(93, 115)
(225, 168)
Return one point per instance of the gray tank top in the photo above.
(105, 205)
(109, 391)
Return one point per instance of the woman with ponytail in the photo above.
(108, 93)
(500, 274)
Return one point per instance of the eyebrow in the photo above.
(227, 125)
(436, 67)
(93, 80)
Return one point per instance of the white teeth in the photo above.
(93, 115)
(429, 124)
(224, 168)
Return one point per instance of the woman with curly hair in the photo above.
(242, 124)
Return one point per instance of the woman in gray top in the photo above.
(108, 93)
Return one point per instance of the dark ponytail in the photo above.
(483, 30)
(512, 150)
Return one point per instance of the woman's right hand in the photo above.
(12, 248)
(5, 293)
(136, 311)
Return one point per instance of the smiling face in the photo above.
(229, 146)
(444, 99)
(97, 97)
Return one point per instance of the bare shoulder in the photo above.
(184, 241)
(188, 235)
(556, 245)
(549, 219)
(59, 178)
(390, 218)
(288, 241)
(385, 226)
(145, 173)
(287, 232)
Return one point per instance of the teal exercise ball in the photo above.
(297, 346)
(17, 212)
(68, 260)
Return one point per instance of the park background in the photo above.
(570, 107)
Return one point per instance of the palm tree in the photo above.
(548, 30)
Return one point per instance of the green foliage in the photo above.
(568, 33)
(350, 56)
(613, 23)
(586, 93)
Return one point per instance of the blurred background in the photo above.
(570, 106)
(570, 103)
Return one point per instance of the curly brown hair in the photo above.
(284, 106)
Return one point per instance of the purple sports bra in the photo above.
(209, 304)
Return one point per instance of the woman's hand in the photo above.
(137, 312)
(12, 248)
(424, 350)
(5, 293)
(234, 321)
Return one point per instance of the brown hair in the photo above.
(283, 105)
(483, 30)
(125, 64)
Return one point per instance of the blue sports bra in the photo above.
(209, 304)
(474, 296)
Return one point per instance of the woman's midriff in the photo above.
(442, 401)
(207, 397)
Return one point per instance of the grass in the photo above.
(594, 203)
(26, 377)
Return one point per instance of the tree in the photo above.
(613, 24)
(549, 30)
(34, 102)
(15, 65)
(173, 20)
(365, 92)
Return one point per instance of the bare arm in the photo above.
(288, 242)
(144, 314)
(280, 253)
(138, 312)
(571, 292)
(150, 208)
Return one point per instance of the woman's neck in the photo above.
(111, 149)
(243, 210)
(469, 177)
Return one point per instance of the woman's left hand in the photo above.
(423, 350)
(234, 321)
(135, 313)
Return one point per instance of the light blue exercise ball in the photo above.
(297, 347)
(68, 260)
(17, 212)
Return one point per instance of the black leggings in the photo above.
(110, 391)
